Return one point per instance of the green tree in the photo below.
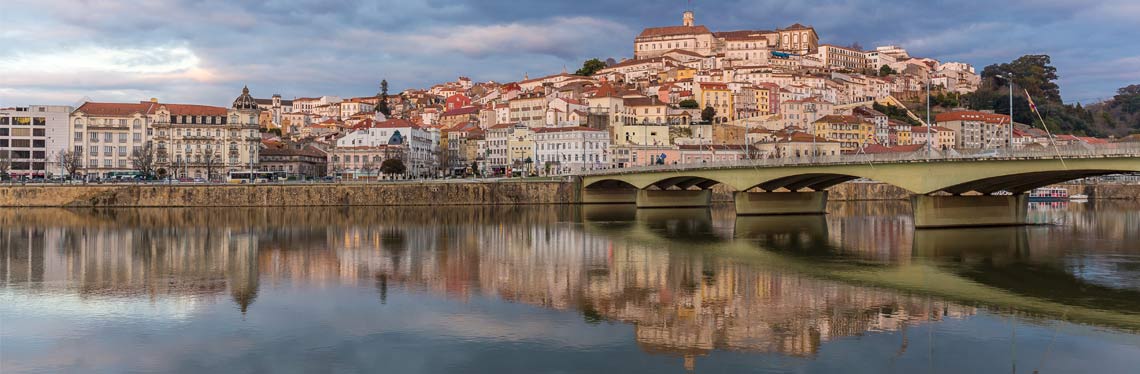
(886, 70)
(708, 114)
(591, 66)
(393, 166)
(382, 99)
(689, 104)
(1128, 99)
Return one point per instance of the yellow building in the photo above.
(719, 97)
(520, 148)
(850, 131)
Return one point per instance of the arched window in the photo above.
(136, 124)
(78, 123)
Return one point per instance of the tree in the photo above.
(886, 70)
(5, 164)
(393, 166)
(210, 161)
(856, 46)
(689, 104)
(474, 168)
(708, 114)
(1031, 73)
(591, 66)
(71, 162)
(382, 102)
(143, 160)
(1128, 99)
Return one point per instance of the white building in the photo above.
(421, 145)
(32, 137)
(570, 149)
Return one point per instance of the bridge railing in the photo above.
(1060, 152)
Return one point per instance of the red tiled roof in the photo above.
(115, 109)
(672, 30)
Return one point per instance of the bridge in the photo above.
(951, 188)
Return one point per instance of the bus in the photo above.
(257, 177)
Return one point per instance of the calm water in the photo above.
(565, 289)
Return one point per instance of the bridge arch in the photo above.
(685, 182)
(614, 184)
(1023, 182)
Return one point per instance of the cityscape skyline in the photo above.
(60, 53)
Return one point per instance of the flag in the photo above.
(1032, 106)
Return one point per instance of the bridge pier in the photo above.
(609, 196)
(673, 198)
(969, 211)
(778, 203)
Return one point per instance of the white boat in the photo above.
(1079, 197)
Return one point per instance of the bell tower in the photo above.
(687, 18)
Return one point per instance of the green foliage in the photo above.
(591, 66)
(689, 104)
(886, 70)
(708, 114)
(895, 113)
(1128, 99)
(1035, 75)
(393, 166)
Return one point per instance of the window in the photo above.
(3, 120)
(122, 150)
(21, 121)
(79, 123)
(21, 143)
(37, 132)
(137, 124)
(94, 151)
(4, 132)
(39, 121)
(123, 138)
(93, 163)
(106, 163)
(108, 137)
(138, 137)
(38, 143)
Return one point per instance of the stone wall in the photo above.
(478, 193)
(1105, 191)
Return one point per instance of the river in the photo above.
(565, 289)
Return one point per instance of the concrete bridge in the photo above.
(951, 190)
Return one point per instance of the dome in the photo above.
(245, 101)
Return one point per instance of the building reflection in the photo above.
(608, 263)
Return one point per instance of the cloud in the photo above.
(204, 51)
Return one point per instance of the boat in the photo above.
(1049, 194)
(1079, 197)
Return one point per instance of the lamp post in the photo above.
(1009, 78)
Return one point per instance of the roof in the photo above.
(684, 52)
(467, 110)
(968, 115)
(388, 124)
(797, 26)
(672, 30)
(115, 109)
(835, 118)
(543, 130)
(290, 151)
(194, 110)
(642, 101)
(714, 85)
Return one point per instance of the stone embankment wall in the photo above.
(401, 194)
(490, 193)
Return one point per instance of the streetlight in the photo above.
(1009, 78)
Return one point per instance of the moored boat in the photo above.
(1049, 194)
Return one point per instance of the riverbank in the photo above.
(502, 192)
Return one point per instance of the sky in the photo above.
(203, 52)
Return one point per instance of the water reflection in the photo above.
(689, 281)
